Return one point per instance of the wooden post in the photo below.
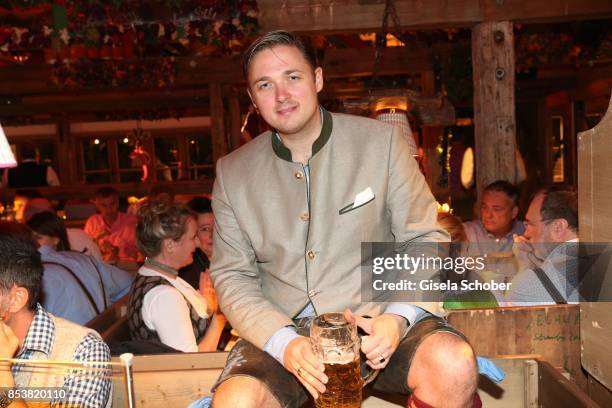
(235, 121)
(431, 138)
(494, 116)
(217, 119)
(66, 147)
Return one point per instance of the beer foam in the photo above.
(333, 358)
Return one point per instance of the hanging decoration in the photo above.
(444, 151)
(71, 30)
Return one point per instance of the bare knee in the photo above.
(444, 364)
(243, 392)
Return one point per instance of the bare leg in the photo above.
(243, 392)
(443, 372)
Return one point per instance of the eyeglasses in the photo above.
(532, 224)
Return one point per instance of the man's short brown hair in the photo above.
(273, 39)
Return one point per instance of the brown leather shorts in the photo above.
(247, 360)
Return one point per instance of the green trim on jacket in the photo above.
(281, 150)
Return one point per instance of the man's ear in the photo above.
(559, 227)
(515, 211)
(318, 76)
(168, 244)
(19, 299)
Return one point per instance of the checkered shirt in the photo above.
(87, 389)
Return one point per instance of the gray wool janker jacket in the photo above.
(278, 247)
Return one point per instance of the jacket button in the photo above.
(310, 254)
(299, 175)
(305, 216)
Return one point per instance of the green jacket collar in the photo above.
(284, 153)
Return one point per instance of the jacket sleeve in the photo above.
(413, 211)
(235, 273)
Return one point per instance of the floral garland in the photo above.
(153, 73)
(88, 28)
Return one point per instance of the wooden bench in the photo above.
(112, 323)
(174, 380)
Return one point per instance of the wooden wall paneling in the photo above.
(217, 117)
(599, 393)
(494, 110)
(554, 391)
(113, 159)
(338, 63)
(362, 15)
(552, 332)
(235, 118)
(595, 225)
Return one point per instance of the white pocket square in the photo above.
(361, 198)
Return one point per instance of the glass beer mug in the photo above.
(336, 343)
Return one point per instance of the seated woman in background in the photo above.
(193, 273)
(162, 306)
(76, 287)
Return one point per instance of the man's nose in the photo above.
(281, 93)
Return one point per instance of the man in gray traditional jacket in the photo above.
(292, 208)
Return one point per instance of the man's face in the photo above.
(537, 230)
(5, 301)
(108, 207)
(206, 224)
(283, 87)
(497, 213)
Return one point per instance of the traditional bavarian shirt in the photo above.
(53, 338)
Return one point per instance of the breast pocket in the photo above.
(361, 222)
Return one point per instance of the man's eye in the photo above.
(294, 77)
(264, 85)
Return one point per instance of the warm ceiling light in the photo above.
(20, 58)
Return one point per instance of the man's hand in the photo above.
(302, 362)
(384, 334)
(525, 253)
(8, 341)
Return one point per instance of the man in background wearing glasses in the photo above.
(551, 235)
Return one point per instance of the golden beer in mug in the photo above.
(336, 343)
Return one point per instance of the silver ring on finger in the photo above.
(381, 359)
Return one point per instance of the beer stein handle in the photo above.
(371, 376)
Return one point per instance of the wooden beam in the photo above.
(361, 62)
(87, 191)
(191, 71)
(309, 16)
(235, 118)
(217, 117)
(494, 114)
(114, 100)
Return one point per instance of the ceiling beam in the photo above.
(353, 62)
(329, 16)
